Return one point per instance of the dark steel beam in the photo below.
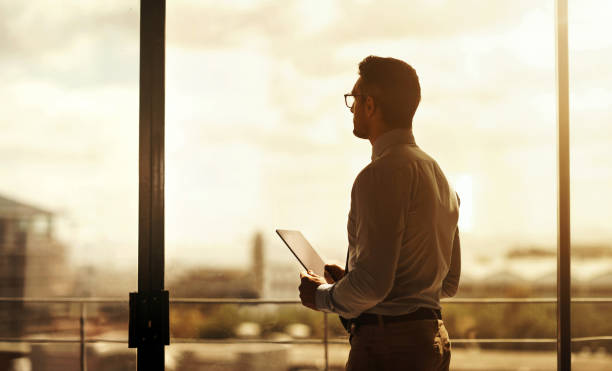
(564, 336)
(151, 170)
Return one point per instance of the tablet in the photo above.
(305, 254)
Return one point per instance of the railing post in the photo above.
(82, 336)
(325, 341)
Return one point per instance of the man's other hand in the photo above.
(333, 273)
(308, 287)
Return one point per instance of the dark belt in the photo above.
(379, 319)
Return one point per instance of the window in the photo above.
(257, 137)
(68, 180)
(590, 88)
(261, 141)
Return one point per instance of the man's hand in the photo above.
(308, 288)
(333, 273)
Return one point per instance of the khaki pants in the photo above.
(421, 345)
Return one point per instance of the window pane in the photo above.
(590, 55)
(259, 138)
(68, 179)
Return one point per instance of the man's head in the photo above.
(387, 95)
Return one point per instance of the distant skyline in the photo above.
(257, 134)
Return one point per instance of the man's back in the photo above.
(430, 220)
(401, 229)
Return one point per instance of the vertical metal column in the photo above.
(564, 336)
(151, 192)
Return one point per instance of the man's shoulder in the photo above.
(383, 169)
(361, 177)
(402, 163)
(401, 158)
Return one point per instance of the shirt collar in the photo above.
(391, 138)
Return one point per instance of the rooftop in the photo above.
(11, 208)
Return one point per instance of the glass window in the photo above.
(590, 52)
(68, 179)
(259, 138)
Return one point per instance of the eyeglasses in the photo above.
(349, 99)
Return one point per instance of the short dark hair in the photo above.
(394, 84)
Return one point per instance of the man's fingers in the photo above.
(333, 266)
(304, 278)
(335, 271)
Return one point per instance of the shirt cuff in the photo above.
(323, 300)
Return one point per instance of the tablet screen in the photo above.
(302, 250)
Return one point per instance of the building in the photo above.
(32, 261)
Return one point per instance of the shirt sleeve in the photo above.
(323, 300)
(451, 281)
(380, 202)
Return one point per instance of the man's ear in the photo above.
(371, 106)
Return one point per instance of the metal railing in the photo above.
(82, 340)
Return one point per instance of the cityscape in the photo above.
(34, 266)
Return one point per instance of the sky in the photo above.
(257, 134)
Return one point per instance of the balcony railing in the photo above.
(83, 340)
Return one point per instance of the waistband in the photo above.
(379, 319)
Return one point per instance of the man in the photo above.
(403, 252)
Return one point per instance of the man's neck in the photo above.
(377, 132)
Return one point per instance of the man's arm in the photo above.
(451, 281)
(379, 202)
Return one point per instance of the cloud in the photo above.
(34, 28)
(285, 28)
(73, 45)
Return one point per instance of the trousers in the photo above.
(421, 345)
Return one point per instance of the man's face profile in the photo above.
(360, 127)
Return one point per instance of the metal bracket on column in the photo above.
(149, 319)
